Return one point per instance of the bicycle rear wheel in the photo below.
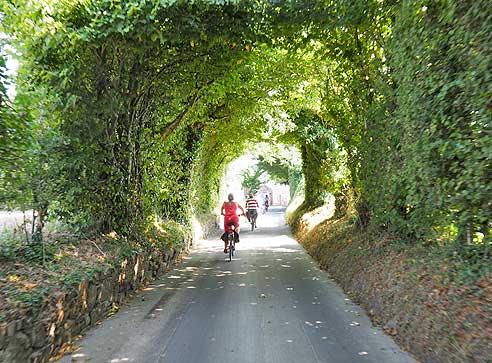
(252, 219)
(231, 246)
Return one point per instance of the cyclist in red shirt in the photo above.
(229, 211)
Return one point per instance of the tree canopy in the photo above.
(128, 110)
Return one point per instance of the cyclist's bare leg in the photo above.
(236, 232)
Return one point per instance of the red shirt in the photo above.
(230, 209)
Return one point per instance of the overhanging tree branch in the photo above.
(173, 125)
(191, 103)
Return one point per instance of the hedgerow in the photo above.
(428, 169)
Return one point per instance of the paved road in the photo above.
(271, 304)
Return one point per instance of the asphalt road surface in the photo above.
(270, 304)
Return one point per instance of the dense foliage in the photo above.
(431, 170)
(137, 107)
(283, 163)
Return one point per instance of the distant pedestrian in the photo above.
(266, 203)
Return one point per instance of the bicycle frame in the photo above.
(231, 244)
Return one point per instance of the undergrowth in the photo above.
(29, 272)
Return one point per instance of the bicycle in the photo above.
(253, 215)
(231, 246)
(229, 237)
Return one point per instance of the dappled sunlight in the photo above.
(319, 215)
(112, 235)
(261, 256)
(226, 272)
(272, 272)
(158, 285)
(294, 204)
(21, 281)
(189, 268)
(174, 277)
(286, 250)
(255, 245)
(282, 243)
(197, 229)
(79, 355)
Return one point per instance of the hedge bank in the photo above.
(421, 296)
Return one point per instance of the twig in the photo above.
(44, 252)
(33, 221)
(95, 244)
(25, 227)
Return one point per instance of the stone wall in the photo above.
(42, 332)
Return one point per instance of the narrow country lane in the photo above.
(270, 304)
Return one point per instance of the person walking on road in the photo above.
(266, 203)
